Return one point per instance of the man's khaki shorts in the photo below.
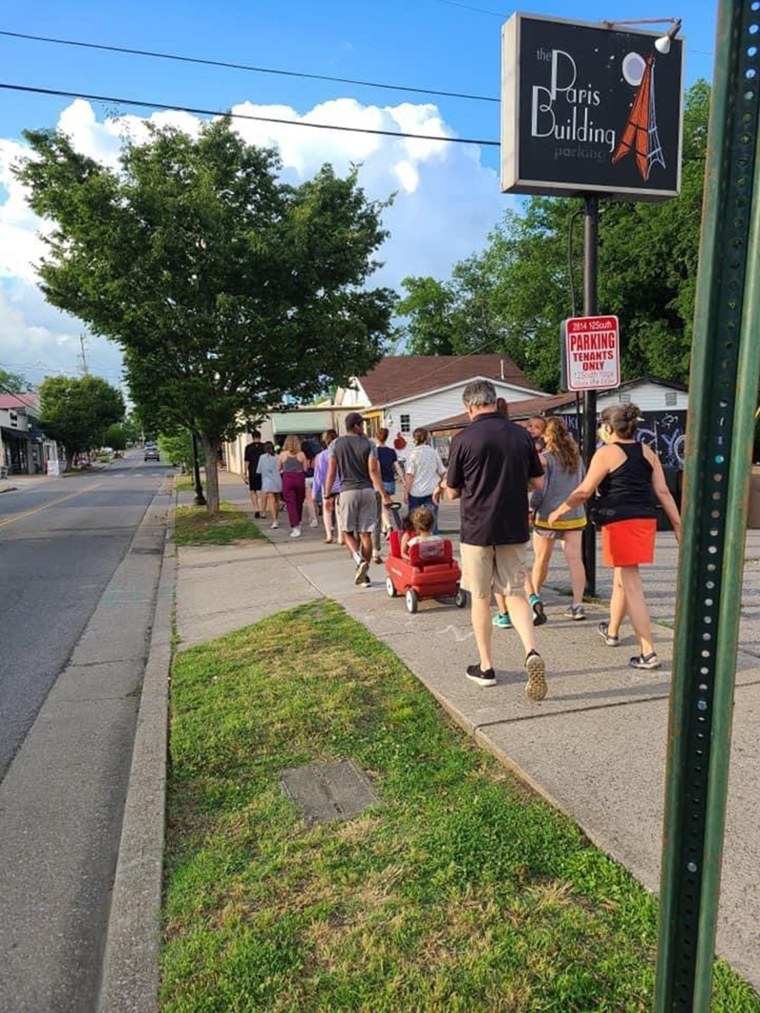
(487, 568)
(357, 510)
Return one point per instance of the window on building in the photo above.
(624, 398)
(671, 398)
(405, 422)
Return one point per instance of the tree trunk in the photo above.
(210, 448)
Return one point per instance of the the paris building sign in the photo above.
(589, 109)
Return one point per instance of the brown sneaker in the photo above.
(535, 687)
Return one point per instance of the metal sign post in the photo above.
(590, 274)
(725, 364)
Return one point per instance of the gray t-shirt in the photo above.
(352, 456)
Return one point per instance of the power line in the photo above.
(498, 14)
(197, 111)
(155, 55)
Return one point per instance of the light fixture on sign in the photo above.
(662, 45)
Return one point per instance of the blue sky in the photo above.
(436, 44)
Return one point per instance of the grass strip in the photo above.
(194, 525)
(461, 891)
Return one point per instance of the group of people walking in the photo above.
(288, 474)
(509, 480)
(494, 466)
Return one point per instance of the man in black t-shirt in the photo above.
(353, 458)
(253, 452)
(493, 465)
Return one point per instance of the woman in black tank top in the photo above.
(627, 475)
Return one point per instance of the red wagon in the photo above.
(430, 572)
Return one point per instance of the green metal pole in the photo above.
(723, 396)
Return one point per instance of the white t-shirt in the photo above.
(426, 466)
(423, 538)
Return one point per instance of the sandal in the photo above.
(603, 629)
(327, 541)
(647, 661)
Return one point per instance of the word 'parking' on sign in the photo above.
(591, 353)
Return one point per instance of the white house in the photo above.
(663, 405)
(400, 393)
(406, 391)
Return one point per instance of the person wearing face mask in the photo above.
(628, 475)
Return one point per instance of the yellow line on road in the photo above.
(53, 502)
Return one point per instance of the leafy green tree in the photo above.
(13, 383)
(115, 436)
(430, 327)
(513, 295)
(227, 289)
(177, 448)
(77, 411)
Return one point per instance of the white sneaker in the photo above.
(313, 522)
(295, 533)
(275, 524)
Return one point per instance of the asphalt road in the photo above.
(79, 565)
(60, 543)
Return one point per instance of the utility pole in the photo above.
(590, 300)
(84, 368)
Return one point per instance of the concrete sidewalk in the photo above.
(595, 747)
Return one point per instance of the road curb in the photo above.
(130, 976)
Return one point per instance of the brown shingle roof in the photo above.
(401, 376)
(13, 401)
(517, 410)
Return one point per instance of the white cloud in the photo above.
(445, 202)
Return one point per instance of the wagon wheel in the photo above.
(412, 600)
(390, 587)
(460, 598)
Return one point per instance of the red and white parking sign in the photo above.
(592, 353)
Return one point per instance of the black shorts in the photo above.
(254, 481)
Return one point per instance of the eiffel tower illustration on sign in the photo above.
(640, 134)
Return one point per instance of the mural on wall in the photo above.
(664, 432)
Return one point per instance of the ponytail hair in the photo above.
(623, 419)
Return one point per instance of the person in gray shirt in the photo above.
(563, 472)
(359, 469)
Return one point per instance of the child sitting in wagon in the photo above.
(422, 526)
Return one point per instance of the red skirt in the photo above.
(629, 543)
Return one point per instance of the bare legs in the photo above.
(628, 598)
(542, 554)
(272, 503)
(361, 546)
(522, 619)
(571, 546)
(256, 503)
(330, 515)
(311, 508)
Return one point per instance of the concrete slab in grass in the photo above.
(329, 791)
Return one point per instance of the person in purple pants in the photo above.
(292, 462)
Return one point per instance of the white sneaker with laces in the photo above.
(275, 524)
(295, 533)
(313, 522)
